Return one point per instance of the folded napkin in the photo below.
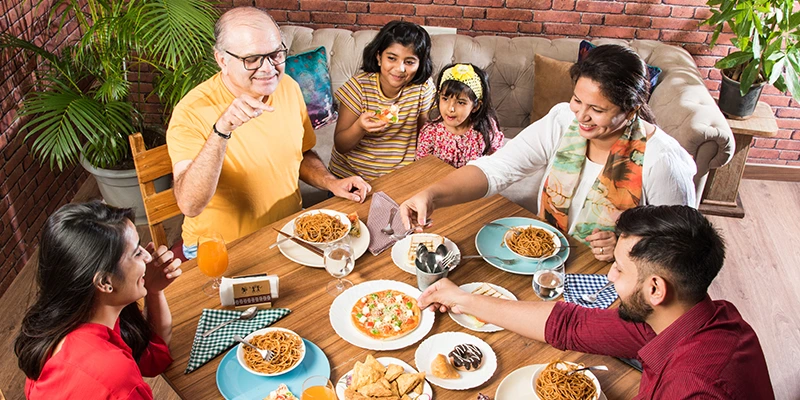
(379, 209)
(206, 348)
(576, 285)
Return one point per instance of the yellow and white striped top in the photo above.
(379, 153)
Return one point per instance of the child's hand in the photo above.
(369, 122)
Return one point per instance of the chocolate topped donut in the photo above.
(466, 357)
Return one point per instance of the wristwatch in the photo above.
(222, 135)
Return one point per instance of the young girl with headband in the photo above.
(464, 124)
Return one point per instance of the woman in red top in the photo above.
(85, 337)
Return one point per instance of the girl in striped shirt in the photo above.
(383, 108)
(464, 125)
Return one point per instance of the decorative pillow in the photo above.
(310, 70)
(551, 85)
(652, 72)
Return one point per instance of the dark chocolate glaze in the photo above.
(466, 356)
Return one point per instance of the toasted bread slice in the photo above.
(431, 241)
(484, 290)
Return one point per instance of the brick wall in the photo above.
(670, 21)
(28, 192)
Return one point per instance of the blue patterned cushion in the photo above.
(310, 70)
(652, 72)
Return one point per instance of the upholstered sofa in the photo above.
(681, 103)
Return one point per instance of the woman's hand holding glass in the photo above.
(162, 270)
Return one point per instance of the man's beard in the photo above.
(635, 308)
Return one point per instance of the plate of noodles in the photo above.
(234, 382)
(490, 241)
(553, 381)
(288, 347)
(303, 256)
(321, 226)
(531, 242)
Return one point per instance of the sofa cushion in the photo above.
(551, 85)
(310, 70)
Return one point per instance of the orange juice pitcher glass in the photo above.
(318, 387)
(212, 259)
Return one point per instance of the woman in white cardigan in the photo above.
(599, 155)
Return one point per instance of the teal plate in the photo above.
(235, 383)
(489, 242)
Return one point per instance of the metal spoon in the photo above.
(387, 230)
(265, 354)
(247, 314)
(592, 368)
(591, 298)
(422, 255)
(441, 252)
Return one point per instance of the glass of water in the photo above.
(548, 281)
(339, 262)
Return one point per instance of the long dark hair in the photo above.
(481, 120)
(622, 76)
(78, 242)
(406, 34)
(677, 242)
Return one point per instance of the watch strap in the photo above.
(222, 135)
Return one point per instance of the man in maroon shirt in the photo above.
(689, 345)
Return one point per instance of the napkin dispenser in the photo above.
(246, 291)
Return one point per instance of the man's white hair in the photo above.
(241, 16)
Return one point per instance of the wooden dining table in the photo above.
(302, 289)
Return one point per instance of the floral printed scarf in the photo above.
(617, 188)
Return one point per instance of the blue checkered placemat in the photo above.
(206, 348)
(576, 285)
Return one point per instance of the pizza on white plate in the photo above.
(386, 314)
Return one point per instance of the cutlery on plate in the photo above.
(265, 354)
(591, 298)
(387, 230)
(250, 313)
(314, 249)
(278, 242)
(592, 368)
(509, 261)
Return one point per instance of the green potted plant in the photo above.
(766, 34)
(80, 108)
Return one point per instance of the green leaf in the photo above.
(734, 59)
(749, 76)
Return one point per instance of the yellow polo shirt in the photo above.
(259, 180)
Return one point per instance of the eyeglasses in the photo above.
(254, 62)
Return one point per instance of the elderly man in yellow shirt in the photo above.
(240, 141)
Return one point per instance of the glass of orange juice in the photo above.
(212, 259)
(318, 387)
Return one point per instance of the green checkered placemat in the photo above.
(206, 348)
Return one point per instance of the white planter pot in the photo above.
(120, 188)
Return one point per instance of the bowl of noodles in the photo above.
(553, 382)
(531, 242)
(288, 347)
(321, 226)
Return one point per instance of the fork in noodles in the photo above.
(555, 383)
(286, 347)
(319, 227)
(531, 242)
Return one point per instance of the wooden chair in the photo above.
(151, 165)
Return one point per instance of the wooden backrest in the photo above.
(151, 165)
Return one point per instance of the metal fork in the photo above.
(267, 355)
(508, 261)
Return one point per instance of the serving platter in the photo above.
(303, 256)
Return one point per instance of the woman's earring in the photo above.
(109, 288)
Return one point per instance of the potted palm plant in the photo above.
(80, 107)
(766, 34)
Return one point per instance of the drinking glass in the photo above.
(548, 281)
(212, 259)
(318, 387)
(339, 262)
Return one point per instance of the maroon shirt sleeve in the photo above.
(155, 358)
(596, 331)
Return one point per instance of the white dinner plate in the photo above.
(464, 321)
(519, 385)
(343, 304)
(303, 256)
(443, 343)
(344, 381)
(400, 252)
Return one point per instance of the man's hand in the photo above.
(443, 295)
(603, 244)
(242, 109)
(418, 207)
(162, 270)
(353, 188)
(369, 122)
